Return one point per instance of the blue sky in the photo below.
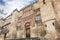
(2, 2)
(7, 6)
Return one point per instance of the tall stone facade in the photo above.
(41, 20)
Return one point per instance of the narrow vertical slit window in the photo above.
(43, 1)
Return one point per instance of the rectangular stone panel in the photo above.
(47, 12)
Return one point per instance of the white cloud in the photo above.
(10, 5)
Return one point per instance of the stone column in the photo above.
(24, 33)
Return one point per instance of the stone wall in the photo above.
(49, 14)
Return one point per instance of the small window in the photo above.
(43, 33)
(43, 1)
(53, 23)
(38, 19)
(45, 25)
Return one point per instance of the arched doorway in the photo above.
(27, 28)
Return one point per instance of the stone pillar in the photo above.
(24, 33)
